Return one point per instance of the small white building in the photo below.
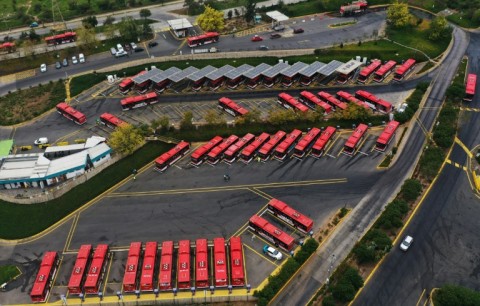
(180, 27)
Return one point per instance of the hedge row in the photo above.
(275, 283)
(450, 295)
(345, 288)
(413, 102)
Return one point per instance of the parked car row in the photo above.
(64, 63)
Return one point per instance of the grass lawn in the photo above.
(462, 21)
(7, 273)
(16, 221)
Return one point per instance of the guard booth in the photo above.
(180, 27)
(347, 71)
(277, 20)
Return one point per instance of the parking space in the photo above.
(336, 147)
(368, 145)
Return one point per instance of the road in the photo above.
(446, 245)
(303, 286)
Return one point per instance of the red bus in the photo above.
(130, 277)
(58, 39)
(219, 262)
(78, 274)
(346, 97)
(70, 113)
(312, 101)
(201, 152)
(470, 87)
(203, 39)
(237, 272)
(111, 121)
(282, 150)
(322, 142)
(354, 140)
(169, 158)
(387, 135)
(127, 84)
(368, 71)
(290, 215)
(201, 263)
(306, 143)
(139, 101)
(232, 152)
(216, 153)
(251, 150)
(331, 100)
(183, 270)
(384, 71)
(231, 107)
(44, 280)
(374, 102)
(290, 102)
(404, 69)
(271, 233)
(148, 266)
(97, 270)
(166, 264)
(267, 149)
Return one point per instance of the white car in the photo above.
(402, 107)
(43, 67)
(41, 140)
(121, 53)
(406, 243)
(74, 60)
(134, 46)
(120, 47)
(272, 252)
(81, 58)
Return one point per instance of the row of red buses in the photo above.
(267, 149)
(346, 97)
(312, 101)
(384, 71)
(321, 144)
(251, 150)
(58, 39)
(231, 107)
(219, 262)
(148, 266)
(166, 264)
(75, 284)
(404, 69)
(139, 101)
(354, 140)
(387, 135)
(8, 46)
(199, 155)
(127, 84)
(271, 233)
(288, 102)
(216, 153)
(70, 113)
(282, 150)
(367, 72)
(201, 263)
(131, 268)
(334, 102)
(111, 121)
(183, 270)
(290, 215)
(232, 152)
(203, 39)
(374, 102)
(169, 158)
(97, 270)
(44, 280)
(306, 143)
(470, 87)
(236, 262)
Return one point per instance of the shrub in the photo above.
(343, 292)
(328, 301)
(431, 162)
(411, 189)
(364, 253)
(351, 275)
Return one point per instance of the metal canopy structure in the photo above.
(277, 16)
(312, 69)
(146, 76)
(200, 74)
(238, 72)
(255, 72)
(294, 69)
(275, 70)
(220, 72)
(330, 68)
(165, 74)
(180, 76)
(179, 24)
(349, 67)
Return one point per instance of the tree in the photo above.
(109, 20)
(411, 189)
(33, 35)
(104, 5)
(253, 116)
(211, 19)
(438, 28)
(237, 12)
(281, 116)
(187, 121)
(28, 47)
(86, 36)
(213, 118)
(193, 7)
(145, 13)
(125, 139)
(147, 31)
(344, 292)
(129, 29)
(109, 31)
(230, 14)
(90, 22)
(250, 10)
(352, 112)
(398, 15)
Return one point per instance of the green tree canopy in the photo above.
(398, 15)
(438, 28)
(128, 29)
(211, 20)
(125, 139)
(250, 10)
(86, 36)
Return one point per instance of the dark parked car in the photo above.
(58, 65)
(138, 49)
(275, 35)
(127, 47)
(152, 44)
(65, 62)
(263, 47)
(298, 30)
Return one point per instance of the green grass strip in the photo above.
(7, 273)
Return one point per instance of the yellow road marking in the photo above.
(470, 109)
(261, 193)
(463, 146)
(421, 296)
(244, 264)
(180, 47)
(70, 232)
(108, 273)
(422, 127)
(55, 278)
(259, 254)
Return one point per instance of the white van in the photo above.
(81, 58)
(40, 141)
(119, 48)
